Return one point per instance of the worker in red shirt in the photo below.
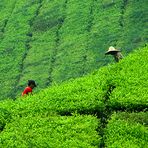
(29, 88)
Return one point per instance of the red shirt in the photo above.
(27, 90)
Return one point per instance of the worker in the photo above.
(115, 53)
(29, 88)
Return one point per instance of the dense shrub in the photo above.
(54, 132)
(14, 46)
(96, 93)
(5, 117)
(130, 78)
(52, 41)
(127, 130)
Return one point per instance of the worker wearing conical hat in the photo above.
(115, 53)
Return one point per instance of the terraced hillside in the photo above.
(108, 108)
(52, 41)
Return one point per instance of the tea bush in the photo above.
(6, 8)
(130, 80)
(52, 131)
(52, 41)
(133, 25)
(14, 46)
(96, 94)
(5, 117)
(127, 130)
(39, 62)
(82, 95)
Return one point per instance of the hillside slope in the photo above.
(52, 41)
(108, 108)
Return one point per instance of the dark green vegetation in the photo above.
(55, 40)
(107, 108)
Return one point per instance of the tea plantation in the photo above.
(107, 108)
(51, 41)
(83, 99)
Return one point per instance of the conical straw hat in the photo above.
(112, 50)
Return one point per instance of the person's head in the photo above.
(112, 51)
(31, 83)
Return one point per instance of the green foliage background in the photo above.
(52, 41)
